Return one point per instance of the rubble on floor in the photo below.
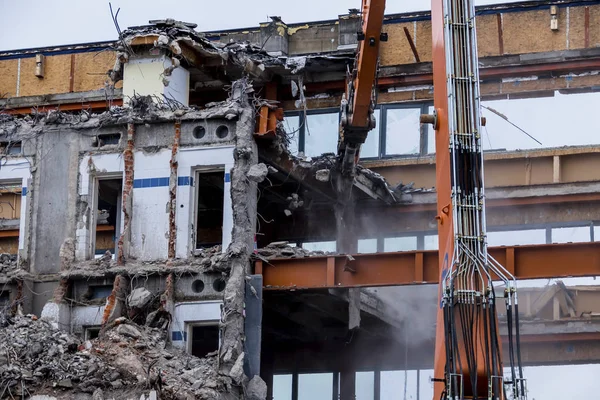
(37, 358)
(284, 250)
(210, 259)
(8, 263)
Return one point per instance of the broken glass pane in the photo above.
(291, 123)
(554, 121)
(321, 134)
(402, 131)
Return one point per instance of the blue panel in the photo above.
(145, 183)
(227, 177)
(137, 183)
(153, 182)
(24, 191)
(178, 336)
(163, 181)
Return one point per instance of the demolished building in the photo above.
(189, 190)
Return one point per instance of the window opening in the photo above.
(209, 213)
(108, 139)
(205, 339)
(321, 133)
(108, 216)
(100, 291)
(4, 299)
(10, 216)
(91, 332)
(11, 148)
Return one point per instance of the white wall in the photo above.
(192, 312)
(150, 217)
(145, 77)
(190, 159)
(89, 168)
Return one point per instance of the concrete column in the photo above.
(274, 37)
(349, 25)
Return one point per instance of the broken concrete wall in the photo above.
(54, 188)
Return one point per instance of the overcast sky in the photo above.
(37, 23)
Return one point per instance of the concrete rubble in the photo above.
(284, 250)
(124, 362)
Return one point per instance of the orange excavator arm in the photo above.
(358, 101)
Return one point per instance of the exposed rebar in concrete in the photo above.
(244, 203)
(127, 194)
(173, 191)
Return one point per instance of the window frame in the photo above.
(189, 329)
(380, 130)
(383, 134)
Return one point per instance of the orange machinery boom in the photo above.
(358, 102)
(468, 357)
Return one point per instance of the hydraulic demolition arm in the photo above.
(358, 102)
(468, 355)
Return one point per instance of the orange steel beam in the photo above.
(484, 73)
(88, 105)
(422, 267)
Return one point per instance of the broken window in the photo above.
(91, 332)
(10, 215)
(313, 133)
(204, 340)
(209, 213)
(321, 132)
(96, 292)
(4, 300)
(11, 147)
(108, 215)
(108, 139)
(558, 120)
(291, 124)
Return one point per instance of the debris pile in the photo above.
(37, 358)
(284, 250)
(8, 263)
